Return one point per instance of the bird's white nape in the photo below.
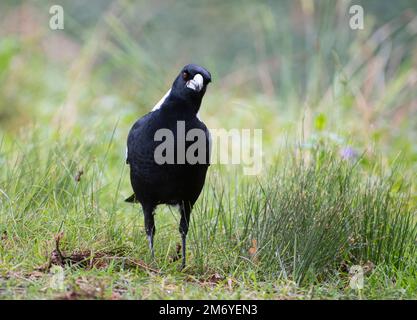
(160, 102)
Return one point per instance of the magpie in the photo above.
(177, 181)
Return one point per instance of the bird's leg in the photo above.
(149, 226)
(150, 240)
(184, 223)
(184, 249)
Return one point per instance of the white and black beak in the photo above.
(196, 83)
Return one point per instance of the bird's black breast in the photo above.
(164, 183)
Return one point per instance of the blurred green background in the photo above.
(273, 62)
(276, 65)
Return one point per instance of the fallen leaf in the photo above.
(253, 250)
(77, 177)
(368, 267)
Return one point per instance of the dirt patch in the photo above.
(88, 259)
(86, 287)
(211, 280)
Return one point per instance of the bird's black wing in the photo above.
(144, 171)
(203, 126)
(131, 151)
(135, 134)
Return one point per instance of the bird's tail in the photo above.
(132, 199)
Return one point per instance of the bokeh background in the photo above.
(284, 66)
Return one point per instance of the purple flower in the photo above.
(348, 154)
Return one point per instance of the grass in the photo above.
(290, 233)
(337, 109)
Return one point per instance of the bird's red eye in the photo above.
(185, 75)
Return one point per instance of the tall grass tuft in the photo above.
(308, 219)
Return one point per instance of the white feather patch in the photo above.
(160, 102)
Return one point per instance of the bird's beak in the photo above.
(196, 83)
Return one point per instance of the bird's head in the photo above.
(191, 83)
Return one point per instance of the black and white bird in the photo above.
(174, 182)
